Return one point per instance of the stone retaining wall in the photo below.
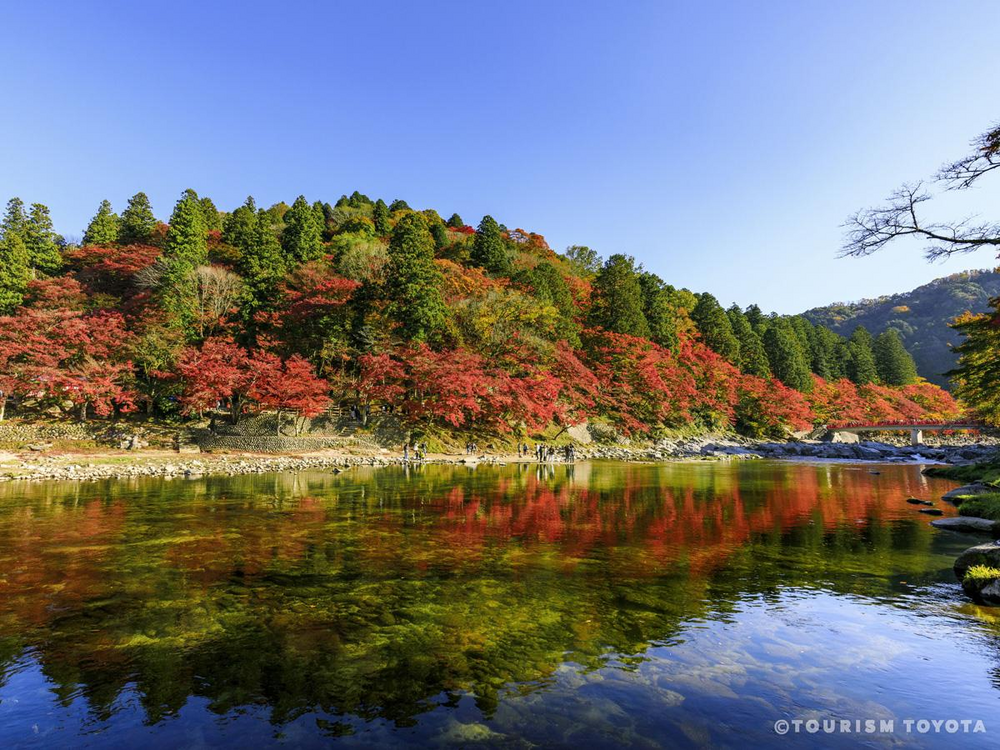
(272, 443)
(21, 432)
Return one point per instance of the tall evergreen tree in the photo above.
(399, 205)
(715, 329)
(413, 281)
(380, 217)
(821, 342)
(657, 309)
(787, 358)
(755, 318)
(803, 332)
(15, 271)
(302, 239)
(320, 213)
(489, 249)
(861, 368)
(894, 364)
(41, 241)
(15, 220)
(186, 247)
(840, 361)
(213, 219)
(753, 359)
(262, 262)
(455, 222)
(240, 227)
(440, 235)
(616, 298)
(104, 227)
(137, 221)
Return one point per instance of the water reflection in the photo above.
(599, 602)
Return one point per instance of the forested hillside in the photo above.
(921, 317)
(385, 309)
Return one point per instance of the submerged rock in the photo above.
(931, 511)
(918, 501)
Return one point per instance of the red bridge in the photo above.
(916, 429)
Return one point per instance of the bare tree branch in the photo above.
(871, 229)
(985, 157)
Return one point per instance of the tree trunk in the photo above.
(83, 412)
(234, 409)
(277, 422)
(3, 407)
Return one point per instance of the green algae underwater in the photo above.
(590, 605)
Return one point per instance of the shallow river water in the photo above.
(596, 605)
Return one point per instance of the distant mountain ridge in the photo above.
(921, 317)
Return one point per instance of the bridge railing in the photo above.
(959, 424)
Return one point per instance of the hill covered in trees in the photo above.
(921, 317)
(379, 307)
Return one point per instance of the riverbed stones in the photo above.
(931, 511)
(982, 554)
(966, 524)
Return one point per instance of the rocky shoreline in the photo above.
(741, 448)
(44, 467)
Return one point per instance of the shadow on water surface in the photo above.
(599, 604)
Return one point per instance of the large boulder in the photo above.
(981, 554)
(983, 591)
(966, 524)
(966, 490)
(844, 437)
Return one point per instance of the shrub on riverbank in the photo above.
(981, 573)
(981, 506)
(983, 472)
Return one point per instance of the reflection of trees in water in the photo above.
(381, 593)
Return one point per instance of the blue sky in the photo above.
(721, 144)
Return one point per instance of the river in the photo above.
(596, 605)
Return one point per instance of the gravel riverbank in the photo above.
(40, 466)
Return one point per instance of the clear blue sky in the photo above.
(721, 144)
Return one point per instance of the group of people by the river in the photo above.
(547, 453)
(543, 453)
(417, 450)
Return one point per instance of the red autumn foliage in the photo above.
(111, 270)
(288, 386)
(380, 379)
(216, 372)
(767, 407)
(54, 354)
(223, 371)
(313, 291)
